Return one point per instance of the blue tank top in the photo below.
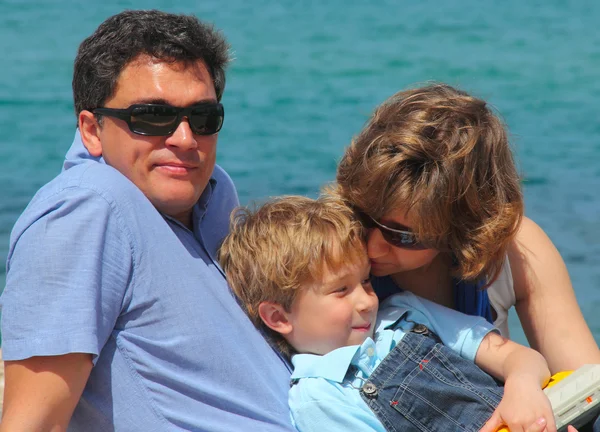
(469, 297)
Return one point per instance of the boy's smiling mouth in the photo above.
(364, 328)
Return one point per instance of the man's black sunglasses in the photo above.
(395, 237)
(162, 120)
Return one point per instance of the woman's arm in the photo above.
(524, 371)
(546, 303)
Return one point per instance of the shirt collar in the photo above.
(78, 154)
(204, 200)
(199, 209)
(389, 315)
(332, 366)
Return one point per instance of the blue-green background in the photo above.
(307, 74)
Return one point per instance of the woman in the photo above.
(433, 174)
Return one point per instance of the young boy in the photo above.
(300, 269)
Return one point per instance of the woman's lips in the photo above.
(375, 264)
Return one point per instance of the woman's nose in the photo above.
(376, 244)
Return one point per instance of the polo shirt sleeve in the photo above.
(318, 405)
(68, 269)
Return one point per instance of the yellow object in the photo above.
(557, 377)
(553, 380)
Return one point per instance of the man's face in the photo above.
(172, 171)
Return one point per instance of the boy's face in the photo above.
(338, 310)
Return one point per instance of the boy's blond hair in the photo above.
(443, 156)
(271, 253)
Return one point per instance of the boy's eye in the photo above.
(341, 290)
(366, 281)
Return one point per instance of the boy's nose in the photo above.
(368, 301)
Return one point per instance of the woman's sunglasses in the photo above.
(163, 120)
(398, 238)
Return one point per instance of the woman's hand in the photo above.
(524, 408)
(524, 372)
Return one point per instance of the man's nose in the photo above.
(183, 137)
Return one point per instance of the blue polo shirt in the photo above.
(326, 397)
(93, 267)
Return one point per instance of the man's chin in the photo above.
(178, 206)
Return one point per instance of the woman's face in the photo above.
(387, 259)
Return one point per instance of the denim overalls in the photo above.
(422, 385)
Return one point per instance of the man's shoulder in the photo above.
(220, 175)
(86, 191)
(91, 180)
(96, 176)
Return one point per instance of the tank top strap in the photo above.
(471, 298)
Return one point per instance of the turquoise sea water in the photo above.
(305, 77)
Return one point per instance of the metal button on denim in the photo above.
(420, 329)
(370, 390)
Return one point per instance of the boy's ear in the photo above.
(90, 133)
(275, 317)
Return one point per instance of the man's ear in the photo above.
(90, 132)
(275, 317)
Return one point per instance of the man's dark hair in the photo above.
(123, 37)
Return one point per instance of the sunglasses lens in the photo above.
(402, 240)
(207, 120)
(153, 120)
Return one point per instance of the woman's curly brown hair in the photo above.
(443, 157)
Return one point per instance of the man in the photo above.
(115, 314)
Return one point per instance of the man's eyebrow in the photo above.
(161, 101)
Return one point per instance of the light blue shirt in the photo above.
(325, 399)
(93, 267)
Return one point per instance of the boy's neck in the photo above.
(432, 282)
